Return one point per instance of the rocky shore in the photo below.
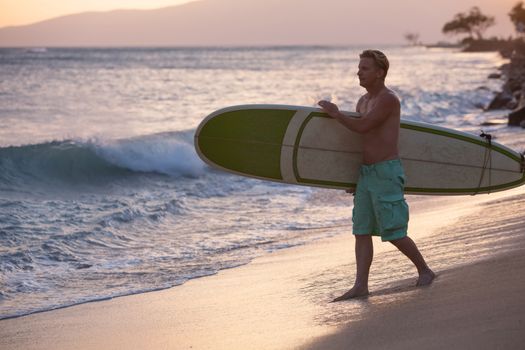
(512, 95)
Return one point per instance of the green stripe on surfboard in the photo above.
(461, 137)
(247, 141)
(307, 181)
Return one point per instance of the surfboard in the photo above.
(304, 146)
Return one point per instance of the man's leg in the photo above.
(407, 246)
(364, 252)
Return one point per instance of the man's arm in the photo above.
(370, 120)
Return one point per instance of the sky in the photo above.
(21, 12)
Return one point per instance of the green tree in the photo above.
(471, 23)
(517, 16)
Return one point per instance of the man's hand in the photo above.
(329, 107)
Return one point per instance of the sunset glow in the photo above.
(382, 21)
(20, 12)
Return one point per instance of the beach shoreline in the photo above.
(281, 300)
(479, 306)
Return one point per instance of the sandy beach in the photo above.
(282, 300)
(480, 306)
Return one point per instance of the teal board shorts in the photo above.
(380, 208)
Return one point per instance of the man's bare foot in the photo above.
(425, 278)
(355, 292)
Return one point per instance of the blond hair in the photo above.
(379, 58)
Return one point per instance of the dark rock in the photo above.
(517, 117)
(504, 67)
(479, 105)
(500, 101)
(520, 97)
(506, 52)
(512, 104)
(513, 84)
(484, 45)
(512, 95)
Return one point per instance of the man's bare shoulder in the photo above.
(388, 99)
(389, 95)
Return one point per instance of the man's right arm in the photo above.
(370, 120)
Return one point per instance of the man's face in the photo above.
(368, 72)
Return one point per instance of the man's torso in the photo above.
(381, 143)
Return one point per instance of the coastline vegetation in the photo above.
(471, 26)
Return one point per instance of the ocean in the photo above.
(102, 193)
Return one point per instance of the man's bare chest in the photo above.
(367, 104)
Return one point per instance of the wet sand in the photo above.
(282, 300)
(480, 306)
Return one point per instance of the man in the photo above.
(379, 204)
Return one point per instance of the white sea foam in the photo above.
(162, 154)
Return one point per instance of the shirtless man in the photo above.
(379, 205)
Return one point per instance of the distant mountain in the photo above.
(222, 22)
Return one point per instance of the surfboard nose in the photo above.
(246, 141)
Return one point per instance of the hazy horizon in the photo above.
(247, 22)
